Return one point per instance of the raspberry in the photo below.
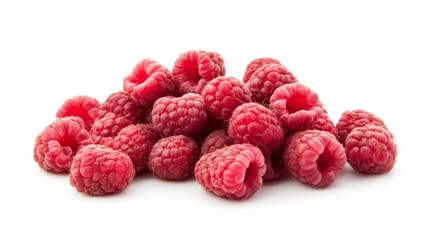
(266, 79)
(223, 94)
(173, 158)
(193, 69)
(233, 172)
(255, 124)
(121, 104)
(148, 82)
(183, 115)
(324, 123)
(100, 170)
(57, 144)
(314, 157)
(216, 140)
(353, 119)
(371, 149)
(255, 65)
(296, 106)
(137, 142)
(105, 129)
(84, 107)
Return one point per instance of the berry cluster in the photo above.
(230, 134)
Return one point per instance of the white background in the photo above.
(368, 54)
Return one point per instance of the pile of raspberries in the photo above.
(230, 134)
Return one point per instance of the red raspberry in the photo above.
(183, 115)
(193, 69)
(266, 79)
(137, 142)
(233, 172)
(215, 140)
(371, 149)
(223, 94)
(100, 170)
(148, 82)
(57, 144)
(350, 120)
(255, 65)
(296, 106)
(105, 129)
(173, 158)
(255, 124)
(314, 157)
(121, 104)
(324, 123)
(84, 107)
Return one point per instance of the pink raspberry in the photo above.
(255, 124)
(324, 123)
(371, 149)
(296, 106)
(350, 120)
(148, 82)
(233, 172)
(215, 140)
(121, 104)
(266, 79)
(173, 158)
(314, 157)
(105, 129)
(85, 107)
(223, 94)
(137, 142)
(100, 170)
(57, 144)
(255, 65)
(185, 115)
(193, 69)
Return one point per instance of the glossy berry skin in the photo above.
(57, 144)
(82, 106)
(255, 124)
(314, 157)
(173, 158)
(100, 170)
(149, 81)
(185, 115)
(194, 69)
(223, 94)
(266, 79)
(233, 172)
(371, 149)
(296, 106)
(137, 142)
(255, 64)
(121, 104)
(352, 119)
(216, 140)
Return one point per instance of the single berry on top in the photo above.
(194, 69)
(371, 149)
